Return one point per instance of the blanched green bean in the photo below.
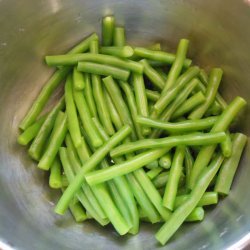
(108, 25)
(160, 56)
(55, 178)
(78, 212)
(124, 51)
(73, 122)
(213, 85)
(69, 60)
(174, 178)
(38, 143)
(161, 180)
(154, 172)
(83, 151)
(196, 215)
(222, 124)
(171, 141)
(152, 95)
(182, 212)
(78, 79)
(226, 145)
(57, 136)
(30, 132)
(90, 164)
(119, 38)
(88, 93)
(105, 70)
(188, 162)
(166, 161)
(229, 166)
(177, 65)
(153, 164)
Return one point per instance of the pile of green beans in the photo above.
(139, 134)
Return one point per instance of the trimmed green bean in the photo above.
(229, 166)
(105, 70)
(38, 143)
(119, 38)
(43, 97)
(182, 212)
(180, 127)
(160, 56)
(167, 97)
(152, 74)
(166, 160)
(90, 164)
(30, 132)
(132, 107)
(121, 107)
(153, 164)
(154, 172)
(226, 146)
(78, 80)
(85, 116)
(196, 215)
(213, 85)
(177, 65)
(222, 124)
(174, 178)
(65, 181)
(152, 95)
(78, 212)
(208, 198)
(188, 162)
(161, 180)
(124, 51)
(57, 136)
(83, 151)
(171, 141)
(141, 99)
(88, 93)
(131, 165)
(188, 105)
(108, 25)
(55, 178)
(107, 60)
(73, 122)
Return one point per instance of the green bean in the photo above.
(177, 65)
(154, 172)
(55, 178)
(65, 182)
(78, 212)
(90, 164)
(188, 162)
(166, 161)
(162, 73)
(132, 107)
(182, 212)
(179, 127)
(124, 51)
(152, 95)
(189, 105)
(57, 136)
(30, 132)
(152, 74)
(108, 25)
(167, 97)
(43, 97)
(101, 69)
(107, 60)
(113, 112)
(222, 124)
(78, 80)
(174, 178)
(196, 215)
(136, 162)
(161, 180)
(153, 164)
(116, 96)
(88, 93)
(119, 38)
(171, 141)
(141, 99)
(73, 122)
(215, 109)
(80, 195)
(83, 151)
(226, 146)
(229, 166)
(213, 85)
(160, 56)
(208, 198)
(85, 116)
(203, 76)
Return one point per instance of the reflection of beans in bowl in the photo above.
(135, 138)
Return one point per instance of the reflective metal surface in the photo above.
(220, 36)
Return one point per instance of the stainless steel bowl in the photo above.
(29, 30)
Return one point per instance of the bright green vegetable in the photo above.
(108, 25)
(152, 95)
(119, 38)
(55, 177)
(88, 93)
(171, 141)
(154, 172)
(188, 162)
(124, 51)
(153, 164)
(226, 146)
(105, 70)
(57, 136)
(78, 212)
(229, 166)
(78, 79)
(196, 215)
(165, 161)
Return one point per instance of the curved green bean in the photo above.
(55, 177)
(119, 38)
(108, 25)
(123, 52)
